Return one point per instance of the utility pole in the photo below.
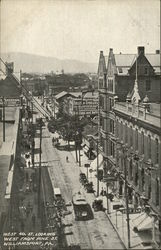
(3, 100)
(32, 112)
(126, 197)
(97, 171)
(79, 144)
(76, 139)
(107, 197)
(39, 186)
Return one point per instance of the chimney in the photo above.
(157, 51)
(111, 50)
(141, 50)
(9, 68)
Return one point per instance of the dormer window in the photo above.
(120, 70)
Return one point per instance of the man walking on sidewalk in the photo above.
(33, 220)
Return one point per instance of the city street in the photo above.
(96, 233)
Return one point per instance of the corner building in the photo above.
(129, 125)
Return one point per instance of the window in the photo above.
(145, 71)
(110, 85)
(157, 192)
(136, 175)
(100, 83)
(148, 85)
(112, 149)
(121, 130)
(131, 136)
(116, 128)
(136, 139)
(149, 146)
(130, 171)
(143, 179)
(142, 142)
(111, 103)
(120, 70)
(125, 133)
(156, 151)
(112, 126)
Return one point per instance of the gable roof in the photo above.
(125, 61)
(60, 95)
(64, 93)
(154, 60)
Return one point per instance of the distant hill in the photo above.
(41, 64)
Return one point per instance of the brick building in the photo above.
(129, 123)
(85, 104)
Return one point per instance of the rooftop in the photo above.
(125, 61)
(64, 93)
(7, 149)
(9, 88)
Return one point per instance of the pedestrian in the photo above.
(27, 177)
(22, 226)
(101, 193)
(27, 211)
(33, 220)
(66, 158)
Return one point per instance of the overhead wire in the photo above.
(12, 76)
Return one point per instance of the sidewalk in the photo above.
(117, 219)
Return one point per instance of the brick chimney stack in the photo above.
(157, 51)
(141, 49)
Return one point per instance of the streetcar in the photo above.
(81, 207)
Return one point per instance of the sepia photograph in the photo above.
(80, 124)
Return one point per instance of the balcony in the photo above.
(140, 112)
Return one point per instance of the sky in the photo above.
(79, 29)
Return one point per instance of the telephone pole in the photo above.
(3, 101)
(39, 185)
(126, 197)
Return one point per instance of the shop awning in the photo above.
(93, 165)
(143, 222)
(85, 149)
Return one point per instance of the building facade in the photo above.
(85, 104)
(129, 124)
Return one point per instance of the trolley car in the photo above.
(81, 207)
